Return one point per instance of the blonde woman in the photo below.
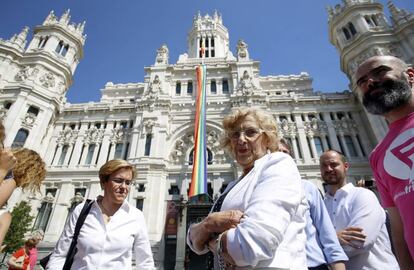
(258, 220)
(113, 230)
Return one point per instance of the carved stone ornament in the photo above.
(178, 152)
(242, 49)
(286, 129)
(182, 146)
(2, 113)
(48, 198)
(162, 55)
(48, 80)
(213, 143)
(315, 127)
(118, 135)
(78, 198)
(148, 125)
(93, 135)
(67, 136)
(23, 74)
(345, 126)
(246, 86)
(28, 120)
(154, 88)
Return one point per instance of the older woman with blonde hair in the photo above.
(112, 231)
(258, 221)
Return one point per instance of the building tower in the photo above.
(359, 29)
(208, 32)
(34, 81)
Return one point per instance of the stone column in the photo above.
(84, 153)
(343, 143)
(295, 147)
(50, 152)
(324, 142)
(357, 146)
(68, 155)
(58, 154)
(112, 151)
(77, 150)
(303, 143)
(60, 211)
(103, 155)
(95, 153)
(12, 122)
(312, 145)
(331, 131)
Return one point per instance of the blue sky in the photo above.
(287, 37)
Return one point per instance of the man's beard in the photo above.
(391, 94)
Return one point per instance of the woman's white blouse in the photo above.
(107, 246)
(271, 235)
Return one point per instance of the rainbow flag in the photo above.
(199, 176)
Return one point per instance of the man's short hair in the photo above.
(343, 157)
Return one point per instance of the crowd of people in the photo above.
(268, 218)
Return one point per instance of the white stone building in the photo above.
(150, 123)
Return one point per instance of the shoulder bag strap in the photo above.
(81, 219)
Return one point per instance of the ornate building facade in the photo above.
(150, 123)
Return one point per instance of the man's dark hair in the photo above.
(343, 157)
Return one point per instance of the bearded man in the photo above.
(385, 84)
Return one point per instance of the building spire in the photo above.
(398, 14)
(21, 38)
(65, 17)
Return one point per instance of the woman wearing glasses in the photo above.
(258, 221)
(113, 230)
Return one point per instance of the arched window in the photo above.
(350, 145)
(45, 210)
(65, 50)
(352, 29)
(225, 86)
(209, 157)
(118, 150)
(213, 87)
(20, 138)
(59, 47)
(91, 150)
(190, 88)
(318, 145)
(63, 155)
(346, 33)
(148, 141)
(178, 89)
(42, 42)
(33, 110)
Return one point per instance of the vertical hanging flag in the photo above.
(199, 176)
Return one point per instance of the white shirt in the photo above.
(271, 235)
(358, 207)
(107, 246)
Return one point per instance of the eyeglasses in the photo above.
(120, 181)
(249, 133)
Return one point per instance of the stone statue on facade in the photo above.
(242, 52)
(162, 55)
(154, 88)
(246, 85)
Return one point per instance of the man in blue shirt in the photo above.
(322, 245)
